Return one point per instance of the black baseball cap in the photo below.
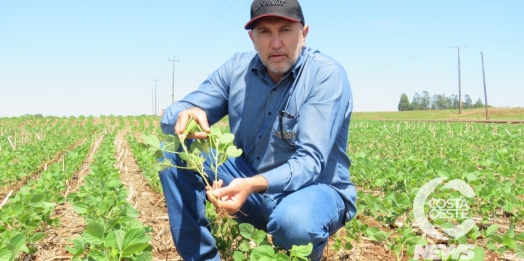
(287, 9)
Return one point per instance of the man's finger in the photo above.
(181, 123)
(201, 118)
(197, 135)
(218, 184)
(212, 199)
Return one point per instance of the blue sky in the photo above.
(75, 58)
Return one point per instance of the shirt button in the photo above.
(260, 136)
(258, 157)
(269, 113)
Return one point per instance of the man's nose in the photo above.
(276, 41)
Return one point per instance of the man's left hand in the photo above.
(232, 197)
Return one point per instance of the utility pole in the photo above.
(155, 80)
(152, 101)
(173, 88)
(484, 80)
(460, 94)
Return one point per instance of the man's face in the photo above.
(279, 43)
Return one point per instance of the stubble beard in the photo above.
(283, 69)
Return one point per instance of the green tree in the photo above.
(426, 101)
(416, 102)
(479, 104)
(404, 104)
(454, 101)
(468, 102)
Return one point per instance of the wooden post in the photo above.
(484, 80)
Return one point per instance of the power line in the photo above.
(204, 28)
(214, 37)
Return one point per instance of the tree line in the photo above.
(436, 102)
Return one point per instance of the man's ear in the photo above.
(305, 31)
(250, 32)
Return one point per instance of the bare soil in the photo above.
(53, 247)
(152, 207)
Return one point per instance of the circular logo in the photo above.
(443, 208)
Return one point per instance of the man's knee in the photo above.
(292, 227)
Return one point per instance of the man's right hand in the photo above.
(200, 118)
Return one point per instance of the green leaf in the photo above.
(509, 207)
(233, 152)
(282, 257)
(18, 241)
(151, 140)
(159, 154)
(227, 138)
(197, 147)
(184, 156)
(163, 165)
(80, 247)
(37, 198)
(497, 238)
(5, 255)
(94, 233)
(215, 131)
(520, 250)
(239, 256)
(110, 241)
(471, 177)
(244, 246)
(80, 207)
(509, 242)
(376, 234)
(191, 127)
(246, 230)
(95, 254)
(301, 251)
(259, 236)
(132, 212)
(478, 254)
(491, 230)
(145, 256)
(37, 237)
(134, 248)
(171, 143)
(262, 251)
(119, 238)
(134, 236)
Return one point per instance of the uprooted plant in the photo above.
(217, 147)
(232, 238)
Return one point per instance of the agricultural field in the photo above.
(83, 186)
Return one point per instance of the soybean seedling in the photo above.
(216, 148)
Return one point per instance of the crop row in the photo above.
(112, 231)
(27, 214)
(392, 161)
(22, 161)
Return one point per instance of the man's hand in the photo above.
(200, 118)
(233, 197)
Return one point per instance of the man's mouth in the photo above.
(276, 56)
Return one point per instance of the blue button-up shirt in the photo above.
(317, 99)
